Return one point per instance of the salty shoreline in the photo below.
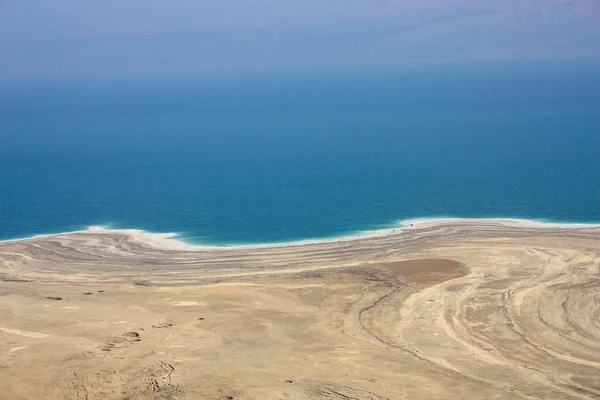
(173, 241)
(443, 308)
(108, 255)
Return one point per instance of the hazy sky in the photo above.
(58, 38)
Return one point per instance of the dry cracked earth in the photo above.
(461, 310)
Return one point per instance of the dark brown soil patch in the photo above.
(427, 270)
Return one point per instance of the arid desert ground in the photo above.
(449, 309)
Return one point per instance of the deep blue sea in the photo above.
(279, 156)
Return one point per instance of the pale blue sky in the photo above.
(80, 38)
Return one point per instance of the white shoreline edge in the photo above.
(171, 241)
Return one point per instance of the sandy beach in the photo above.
(441, 308)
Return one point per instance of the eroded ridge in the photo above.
(471, 309)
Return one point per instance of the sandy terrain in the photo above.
(449, 309)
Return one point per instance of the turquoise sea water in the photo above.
(269, 157)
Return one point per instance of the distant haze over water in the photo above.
(269, 157)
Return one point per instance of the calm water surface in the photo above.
(277, 157)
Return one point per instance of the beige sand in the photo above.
(449, 309)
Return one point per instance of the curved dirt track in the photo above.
(455, 309)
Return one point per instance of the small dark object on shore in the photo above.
(54, 298)
(289, 381)
(201, 318)
(100, 291)
(88, 293)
